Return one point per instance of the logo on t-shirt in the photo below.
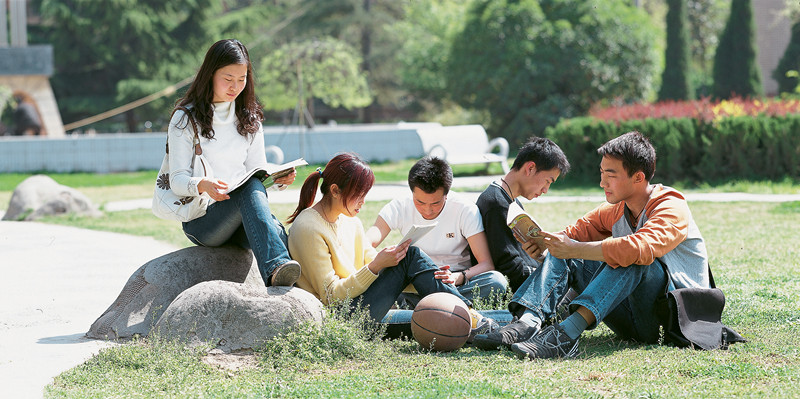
(451, 235)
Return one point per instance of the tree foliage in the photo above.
(429, 28)
(675, 83)
(789, 62)
(364, 25)
(736, 71)
(327, 68)
(108, 53)
(530, 63)
(706, 19)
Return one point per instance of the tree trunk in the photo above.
(130, 120)
(366, 49)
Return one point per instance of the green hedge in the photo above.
(754, 148)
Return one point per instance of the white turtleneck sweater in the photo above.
(230, 154)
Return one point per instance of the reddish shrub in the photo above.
(703, 109)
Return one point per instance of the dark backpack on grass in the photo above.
(691, 317)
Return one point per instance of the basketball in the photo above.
(441, 322)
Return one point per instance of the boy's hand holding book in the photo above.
(563, 247)
(526, 231)
(533, 250)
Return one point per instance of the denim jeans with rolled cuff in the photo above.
(244, 220)
(623, 297)
(416, 269)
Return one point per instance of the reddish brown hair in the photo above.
(347, 171)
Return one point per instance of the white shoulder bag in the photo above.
(168, 205)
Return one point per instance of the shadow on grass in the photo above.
(590, 346)
(608, 344)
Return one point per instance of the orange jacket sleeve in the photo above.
(595, 225)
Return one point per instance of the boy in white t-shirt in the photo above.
(458, 230)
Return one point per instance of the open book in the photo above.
(524, 226)
(269, 174)
(417, 231)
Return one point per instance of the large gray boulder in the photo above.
(40, 195)
(233, 317)
(153, 287)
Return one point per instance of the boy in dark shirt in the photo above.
(539, 163)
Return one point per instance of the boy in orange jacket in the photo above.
(613, 257)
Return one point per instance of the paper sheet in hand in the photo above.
(417, 232)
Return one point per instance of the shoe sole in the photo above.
(523, 354)
(489, 345)
(286, 274)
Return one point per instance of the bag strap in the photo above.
(711, 278)
(198, 150)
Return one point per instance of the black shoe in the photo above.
(551, 343)
(286, 274)
(507, 335)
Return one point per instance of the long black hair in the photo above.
(201, 92)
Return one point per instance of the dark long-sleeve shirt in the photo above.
(507, 254)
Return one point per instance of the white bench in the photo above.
(464, 144)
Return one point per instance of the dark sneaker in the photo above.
(486, 325)
(551, 343)
(286, 274)
(506, 336)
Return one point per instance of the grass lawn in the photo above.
(754, 255)
(757, 270)
(103, 188)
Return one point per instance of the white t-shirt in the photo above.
(447, 243)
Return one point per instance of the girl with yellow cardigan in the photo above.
(338, 260)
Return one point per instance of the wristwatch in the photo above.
(466, 280)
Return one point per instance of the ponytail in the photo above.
(307, 194)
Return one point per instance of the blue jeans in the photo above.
(244, 220)
(623, 297)
(398, 321)
(486, 285)
(416, 269)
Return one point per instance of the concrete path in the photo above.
(385, 192)
(57, 280)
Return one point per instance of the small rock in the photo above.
(40, 195)
(235, 317)
(151, 288)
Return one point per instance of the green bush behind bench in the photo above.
(740, 147)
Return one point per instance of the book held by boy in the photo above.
(523, 226)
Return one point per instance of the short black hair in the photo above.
(544, 153)
(430, 174)
(635, 152)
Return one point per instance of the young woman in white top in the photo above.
(223, 104)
